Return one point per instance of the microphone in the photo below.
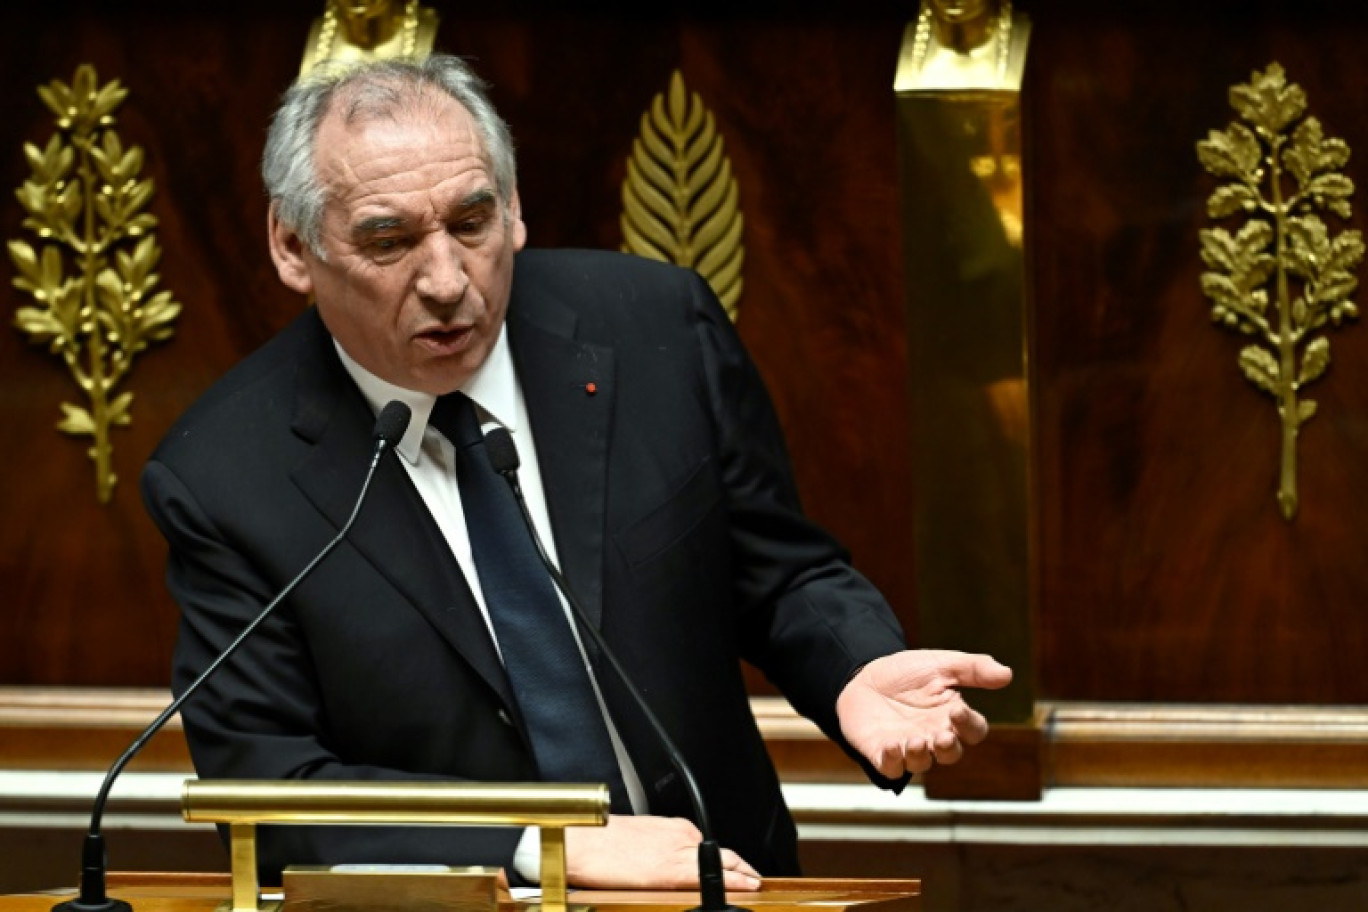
(389, 428)
(503, 456)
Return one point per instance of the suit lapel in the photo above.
(395, 533)
(568, 388)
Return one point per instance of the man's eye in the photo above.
(385, 247)
(471, 226)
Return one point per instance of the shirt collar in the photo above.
(493, 387)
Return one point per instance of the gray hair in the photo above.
(371, 89)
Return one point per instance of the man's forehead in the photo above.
(431, 112)
(403, 149)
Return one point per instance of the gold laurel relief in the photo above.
(679, 200)
(91, 271)
(1276, 273)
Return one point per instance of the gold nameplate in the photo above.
(341, 888)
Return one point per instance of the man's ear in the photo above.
(288, 252)
(515, 222)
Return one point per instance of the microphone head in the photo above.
(503, 452)
(391, 424)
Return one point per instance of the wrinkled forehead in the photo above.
(400, 122)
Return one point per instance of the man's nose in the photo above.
(442, 277)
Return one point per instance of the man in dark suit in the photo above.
(654, 466)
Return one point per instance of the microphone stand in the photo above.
(503, 455)
(389, 427)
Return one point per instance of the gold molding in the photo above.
(92, 270)
(357, 30)
(1278, 172)
(964, 237)
(956, 47)
(679, 199)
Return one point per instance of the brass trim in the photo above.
(472, 804)
(376, 30)
(961, 187)
(243, 849)
(553, 881)
(244, 803)
(92, 271)
(1279, 171)
(945, 51)
(679, 199)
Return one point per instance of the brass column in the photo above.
(958, 93)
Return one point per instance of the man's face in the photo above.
(419, 247)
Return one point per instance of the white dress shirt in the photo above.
(430, 460)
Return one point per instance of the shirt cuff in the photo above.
(527, 856)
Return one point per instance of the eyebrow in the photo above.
(482, 197)
(376, 224)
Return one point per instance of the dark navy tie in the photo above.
(540, 653)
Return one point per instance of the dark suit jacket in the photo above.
(676, 522)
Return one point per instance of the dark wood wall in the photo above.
(802, 94)
(1167, 573)
(1164, 570)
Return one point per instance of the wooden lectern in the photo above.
(155, 892)
(243, 804)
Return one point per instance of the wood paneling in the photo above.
(1166, 571)
(802, 95)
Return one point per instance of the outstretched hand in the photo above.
(903, 712)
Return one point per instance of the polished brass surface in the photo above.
(679, 200)
(416, 888)
(92, 268)
(349, 32)
(471, 804)
(242, 849)
(964, 45)
(244, 803)
(1279, 174)
(964, 25)
(960, 170)
(553, 881)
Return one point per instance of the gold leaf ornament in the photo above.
(679, 200)
(91, 271)
(1281, 277)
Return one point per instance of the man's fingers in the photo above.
(968, 725)
(888, 760)
(968, 669)
(733, 862)
(737, 874)
(645, 852)
(735, 880)
(911, 756)
(946, 748)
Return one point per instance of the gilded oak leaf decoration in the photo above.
(1281, 277)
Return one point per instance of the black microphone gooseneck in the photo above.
(503, 456)
(389, 427)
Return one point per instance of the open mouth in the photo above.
(446, 339)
